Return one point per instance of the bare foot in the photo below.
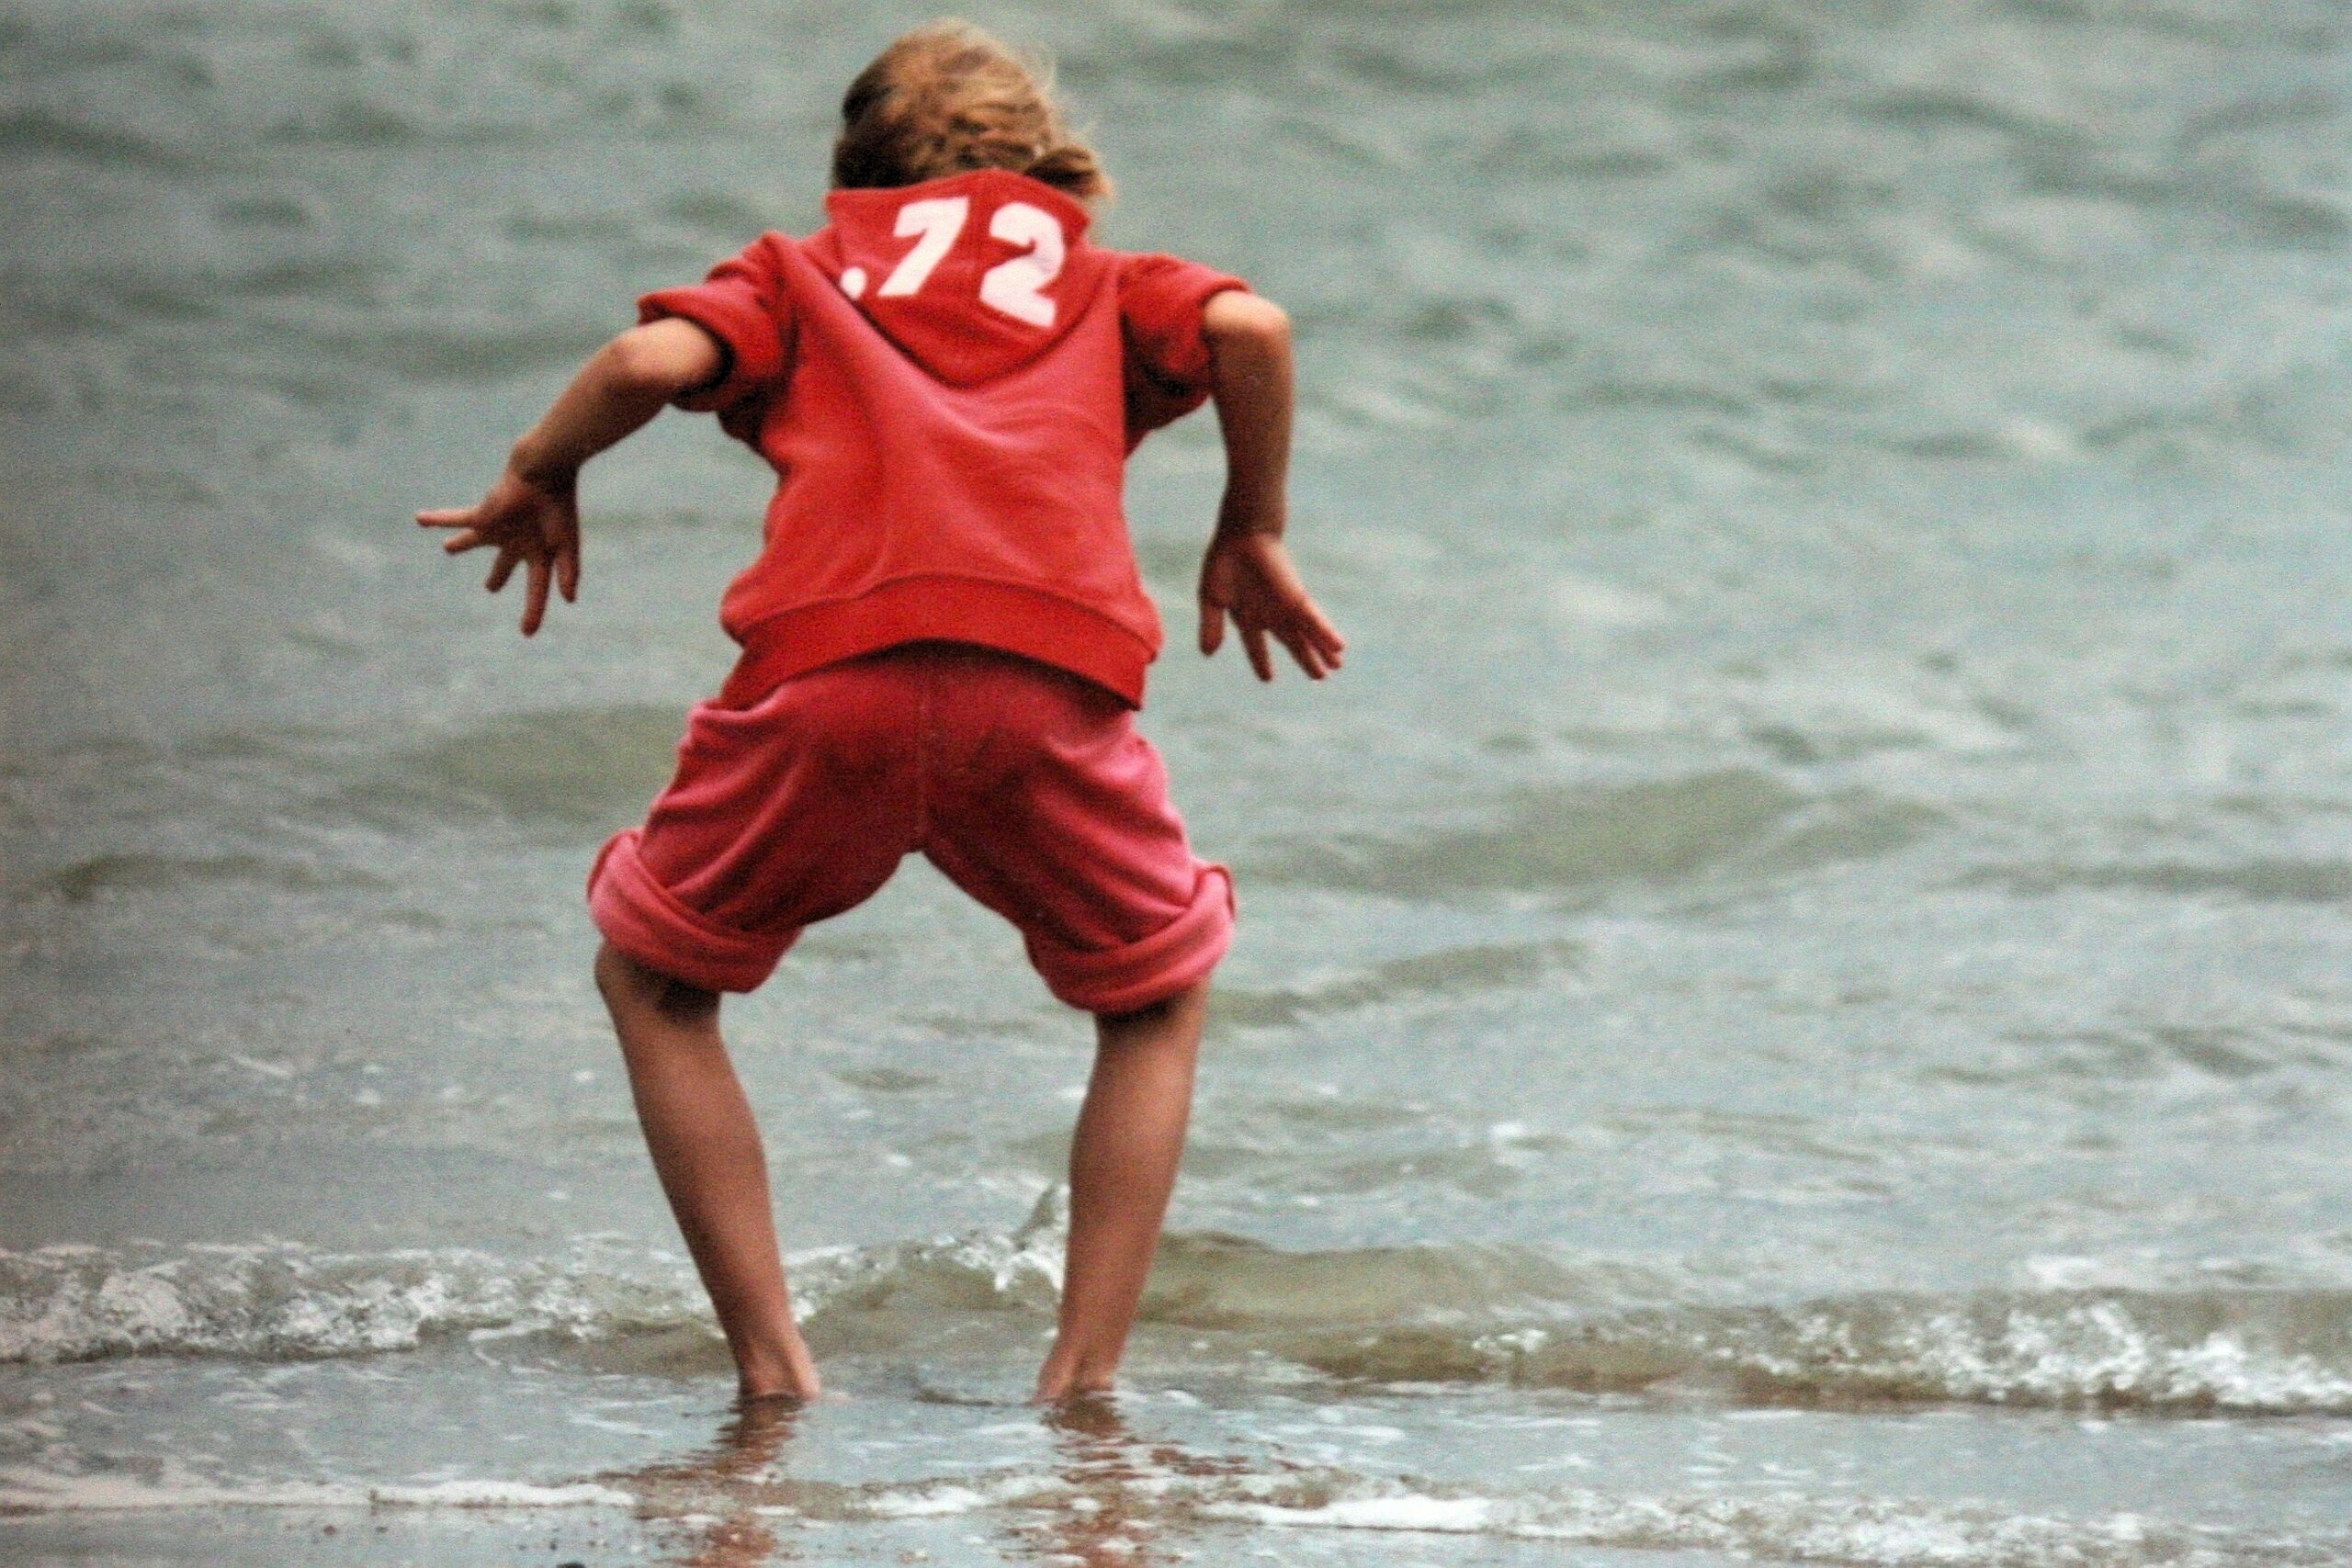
(1059, 1382)
(785, 1371)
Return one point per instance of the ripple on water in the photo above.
(440, 352)
(106, 875)
(560, 768)
(1659, 832)
(1453, 972)
(2256, 881)
(38, 133)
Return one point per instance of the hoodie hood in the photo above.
(971, 277)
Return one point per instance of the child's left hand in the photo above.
(533, 524)
(1247, 575)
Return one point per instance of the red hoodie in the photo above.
(948, 381)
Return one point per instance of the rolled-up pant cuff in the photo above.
(1122, 979)
(640, 917)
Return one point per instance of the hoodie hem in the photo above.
(1005, 616)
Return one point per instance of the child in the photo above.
(944, 639)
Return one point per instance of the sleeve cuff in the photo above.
(1163, 301)
(1185, 354)
(745, 333)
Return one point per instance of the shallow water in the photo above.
(1791, 1002)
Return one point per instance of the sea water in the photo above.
(1792, 1000)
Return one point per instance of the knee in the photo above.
(630, 986)
(620, 979)
(1172, 1022)
(1193, 999)
(1144, 1017)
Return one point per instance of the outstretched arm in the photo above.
(531, 515)
(1247, 574)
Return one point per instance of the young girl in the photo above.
(945, 637)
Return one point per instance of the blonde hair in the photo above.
(948, 98)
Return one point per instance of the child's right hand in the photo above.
(1247, 575)
(532, 524)
(531, 513)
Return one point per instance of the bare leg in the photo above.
(1122, 1168)
(706, 1147)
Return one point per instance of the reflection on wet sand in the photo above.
(1106, 1499)
(1115, 1506)
(728, 1489)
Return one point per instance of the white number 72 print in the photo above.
(1016, 288)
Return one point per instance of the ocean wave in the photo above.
(2274, 1352)
(2268, 1352)
(1512, 1316)
(273, 1301)
(281, 1302)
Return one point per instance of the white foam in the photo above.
(1785, 1526)
(953, 1498)
(1451, 1516)
(1020, 1269)
(32, 1491)
(69, 1304)
(500, 1495)
(927, 1505)
(2053, 1352)
(77, 1303)
(1879, 1533)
